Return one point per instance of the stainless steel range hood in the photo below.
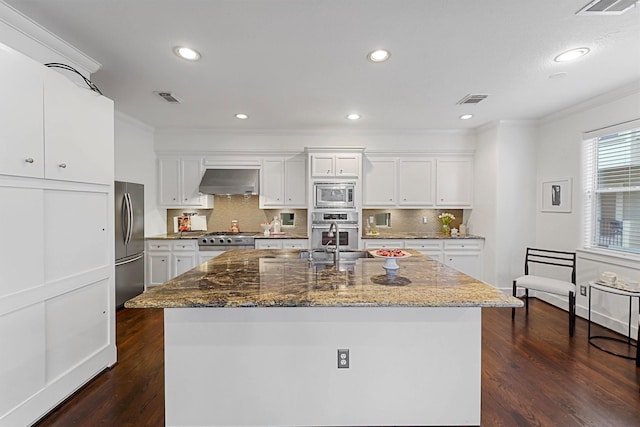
(230, 181)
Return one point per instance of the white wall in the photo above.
(559, 156)
(204, 141)
(135, 161)
(504, 199)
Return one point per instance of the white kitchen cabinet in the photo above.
(429, 247)
(21, 115)
(415, 182)
(76, 327)
(281, 243)
(399, 182)
(383, 244)
(179, 182)
(57, 313)
(283, 183)
(167, 259)
(19, 272)
(454, 182)
(380, 182)
(204, 256)
(336, 165)
(78, 132)
(464, 255)
(22, 332)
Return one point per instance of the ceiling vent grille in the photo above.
(472, 99)
(168, 96)
(607, 7)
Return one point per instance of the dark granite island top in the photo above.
(268, 331)
(279, 278)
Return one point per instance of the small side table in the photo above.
(617, 290)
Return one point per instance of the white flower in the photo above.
(446, 218)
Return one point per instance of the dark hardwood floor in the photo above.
(533, 375)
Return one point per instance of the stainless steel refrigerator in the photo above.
(129, 228)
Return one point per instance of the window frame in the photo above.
(593, 239)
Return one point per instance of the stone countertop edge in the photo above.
(255, 278)
(191, 235)
(415, 235)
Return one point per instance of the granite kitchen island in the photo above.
(252, 338)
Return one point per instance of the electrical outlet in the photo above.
(343, 358)
(583, 290)
(424, 219)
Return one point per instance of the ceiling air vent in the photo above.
(168, 96)
(472, 99)
(607, 7)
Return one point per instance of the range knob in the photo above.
(222, 241)
(212, 241)
(229, 241)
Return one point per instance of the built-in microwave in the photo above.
(334, 195)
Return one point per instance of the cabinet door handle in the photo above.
(328, 170)
(62, 165)
(29, 160)
(340, 171)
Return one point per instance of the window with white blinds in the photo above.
(612, 181)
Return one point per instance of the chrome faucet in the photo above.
(336, 253)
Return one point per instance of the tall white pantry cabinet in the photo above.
(57, 300)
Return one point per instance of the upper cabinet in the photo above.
(380, 182)
(78, 132)
(342, 165)
(21, 120)
(52, 128)
(180, 181)
(283, 183)
(454, 182)
(416, 182)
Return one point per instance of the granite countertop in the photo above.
(286, 235)
(198, 234)
(419, 235)
(176, 236)
(279, 278)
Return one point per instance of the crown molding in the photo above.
(28, 32)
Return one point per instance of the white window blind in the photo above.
(612, 180)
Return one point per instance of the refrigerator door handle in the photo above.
(129, 260)
(129, 209)
(125, 218)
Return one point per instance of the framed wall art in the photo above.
(556, 195)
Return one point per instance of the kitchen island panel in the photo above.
(278, 366)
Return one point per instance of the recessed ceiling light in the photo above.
(465, 116)
(379, 55)
(187, 53)
(572, 54)
(353, 116)
(242, 116)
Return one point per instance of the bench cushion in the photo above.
(546, 284)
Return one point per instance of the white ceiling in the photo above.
(301, 64)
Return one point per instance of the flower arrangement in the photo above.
(446, 219)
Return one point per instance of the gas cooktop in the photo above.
(226, 238)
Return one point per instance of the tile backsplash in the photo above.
(249, 215)
(410, 220)
(245, 209)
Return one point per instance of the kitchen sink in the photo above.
(322, 256)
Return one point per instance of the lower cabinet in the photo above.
(167, 259)
(282, 244)
(383, 244)
(429, 247)
(464, 255)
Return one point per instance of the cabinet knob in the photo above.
(328, 170)
(340, 171)
(62, 165)
(29, 160)
(162, 260)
